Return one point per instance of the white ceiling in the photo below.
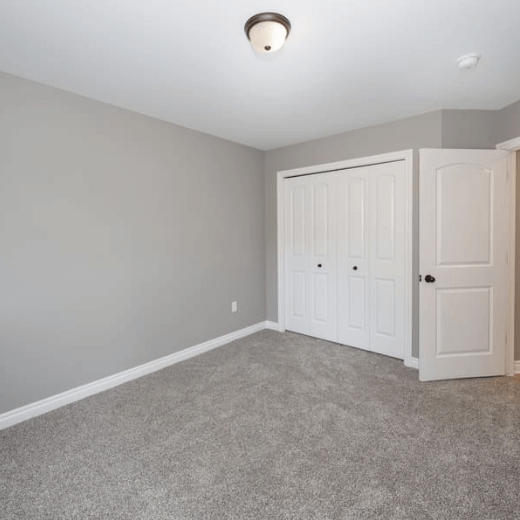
(346, 64)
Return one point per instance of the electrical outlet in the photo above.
(234, 306)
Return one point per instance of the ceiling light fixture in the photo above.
(468, 61)
(267, 32)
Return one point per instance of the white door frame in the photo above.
(513, 145)
(403, 155)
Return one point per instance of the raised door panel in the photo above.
(353, 265)
(298, 295)
(385, 305)
(297, 221)
(385, 215)
(320, 300)
(472, 332)
(320, 200)
(464, 202)
(356, 207)
(356, 319)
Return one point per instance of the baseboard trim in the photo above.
(271, 325)
(23, 413)
(413, 362)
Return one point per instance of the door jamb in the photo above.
(403, 155)
(512, 146)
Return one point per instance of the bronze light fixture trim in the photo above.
(267, 32)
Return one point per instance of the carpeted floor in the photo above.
(274, 426)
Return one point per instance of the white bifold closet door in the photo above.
(345, 262)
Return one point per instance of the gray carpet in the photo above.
(272, 427)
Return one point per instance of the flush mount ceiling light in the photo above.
(468, 61)
(267, 32)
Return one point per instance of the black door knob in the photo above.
(319, 265)
(355, 268)
(429, 278)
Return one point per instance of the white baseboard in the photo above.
(70, 396)
(271, 325)
(412, 363)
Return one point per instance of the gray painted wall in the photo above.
(424, 131)
(469, 129)
(124, 239)
(509, 122)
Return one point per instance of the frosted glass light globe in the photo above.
(267, 37)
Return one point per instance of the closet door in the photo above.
(311, 255)
(323, 274)
(387, 258)
(345, 256)
(297, 254)
(353, 261)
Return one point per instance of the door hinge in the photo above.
(420, 277)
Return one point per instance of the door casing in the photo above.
(513, 147)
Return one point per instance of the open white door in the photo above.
(464, 234)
